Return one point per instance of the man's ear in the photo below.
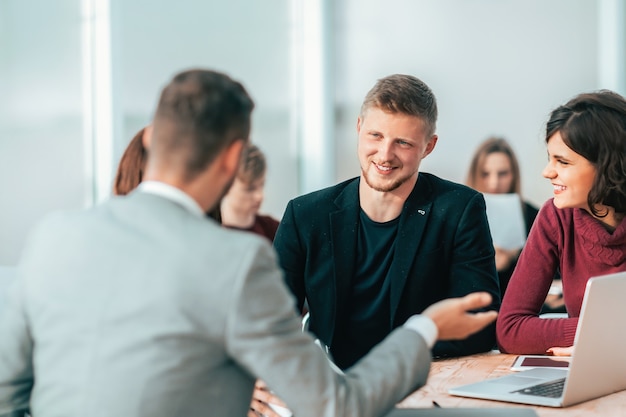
(146, 138)
(430, 146)
(232, 156)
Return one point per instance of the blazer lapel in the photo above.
(344, 223)
(413, 221)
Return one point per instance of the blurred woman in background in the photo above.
(494, 169)
(132, 165)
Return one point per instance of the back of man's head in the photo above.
(200, 112)
(400, 93)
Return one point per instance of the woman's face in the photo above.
(245, 198)
(496, 175)
(571, 174)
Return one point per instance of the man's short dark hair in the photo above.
(200, 112)
(406, 94)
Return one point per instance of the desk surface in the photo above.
(448, 373)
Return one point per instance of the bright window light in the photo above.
(97, 99)
(314, 99)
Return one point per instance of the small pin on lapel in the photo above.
(422, 212)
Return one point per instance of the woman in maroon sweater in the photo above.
(580, 231)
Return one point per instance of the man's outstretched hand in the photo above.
(454, 319)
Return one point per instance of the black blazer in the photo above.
(443, 249)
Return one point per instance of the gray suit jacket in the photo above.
(137, 307)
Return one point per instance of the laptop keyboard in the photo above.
(549, 389)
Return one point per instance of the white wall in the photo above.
(41, 145)
(43, 160)
(496, 67)
(154, 39)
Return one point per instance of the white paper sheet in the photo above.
(506, 220)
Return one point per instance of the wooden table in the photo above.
(448, 373)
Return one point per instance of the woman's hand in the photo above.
(560, 351)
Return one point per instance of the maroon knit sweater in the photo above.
(578, 244)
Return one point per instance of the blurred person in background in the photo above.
(240, 206)
(494, 169)
(132, 165)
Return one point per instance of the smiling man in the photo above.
(369, 252)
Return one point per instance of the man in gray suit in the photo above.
(142, 306)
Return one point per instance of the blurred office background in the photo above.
(78, 78)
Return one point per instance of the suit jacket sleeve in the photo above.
(264, 337)
(473, 269)
(292, 256)
(16, 347)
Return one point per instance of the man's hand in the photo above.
(453, 319)
(262, 397)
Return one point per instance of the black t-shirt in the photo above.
(368, 321)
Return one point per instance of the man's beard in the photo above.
(391, 187)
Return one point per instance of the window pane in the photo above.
(41, 139)
(249, 40)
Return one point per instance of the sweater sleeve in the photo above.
(519, 329)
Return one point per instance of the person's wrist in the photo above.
(425, 326)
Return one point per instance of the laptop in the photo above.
(592, 372)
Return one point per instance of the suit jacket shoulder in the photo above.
(347, 192)
(434, 188)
